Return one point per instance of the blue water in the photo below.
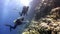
(8, 13)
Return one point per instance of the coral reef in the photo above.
(46, 24)
(47, 20)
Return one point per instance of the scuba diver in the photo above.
(24, 11)
(20, 20)
(17, 22)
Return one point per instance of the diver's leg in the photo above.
(10, 27)
(15, 26)
(20, 13)
(26, 14)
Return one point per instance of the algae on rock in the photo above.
(46, 20)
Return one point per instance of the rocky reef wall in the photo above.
(46, 18)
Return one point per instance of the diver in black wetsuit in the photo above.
(17, 22)
(24, 11)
